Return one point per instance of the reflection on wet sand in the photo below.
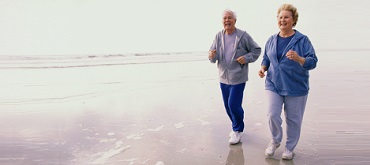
(273, 161)
(236, 155)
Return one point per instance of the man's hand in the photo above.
(211, 54)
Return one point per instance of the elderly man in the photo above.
(233, 49)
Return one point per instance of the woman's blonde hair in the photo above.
(291, 8)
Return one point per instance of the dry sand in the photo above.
(171, 113)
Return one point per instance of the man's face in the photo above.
(228, 21)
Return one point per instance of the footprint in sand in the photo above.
(203, 122)
(135, 136)
(156, 129)
(179, 125)
(111, 133)
(258, 124)
(103, 157)
(159, 163)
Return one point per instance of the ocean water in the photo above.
(71, 77)
(73, 61)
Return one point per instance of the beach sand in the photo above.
(171, 113)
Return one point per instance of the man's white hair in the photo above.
(229, 11)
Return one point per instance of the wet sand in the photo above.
(171, 112)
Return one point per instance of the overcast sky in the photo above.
(47, 27)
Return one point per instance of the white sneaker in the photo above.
(270, 150)
(231, 133)
(235, 137)
(287, 155)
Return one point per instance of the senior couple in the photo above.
(288, 56)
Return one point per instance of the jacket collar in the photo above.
(297, 36)
(239, 33)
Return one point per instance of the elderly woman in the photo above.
(233, 49)
(288, 57)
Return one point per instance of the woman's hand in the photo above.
(262, 71)
(293, 55)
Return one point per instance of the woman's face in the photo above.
(285, 20)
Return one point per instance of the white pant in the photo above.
(293, 109)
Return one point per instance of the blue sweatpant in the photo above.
(293, 109)
(233, 97)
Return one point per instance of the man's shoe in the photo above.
(287, 155)
(231, 133)
(270, 150)
(235, 137)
